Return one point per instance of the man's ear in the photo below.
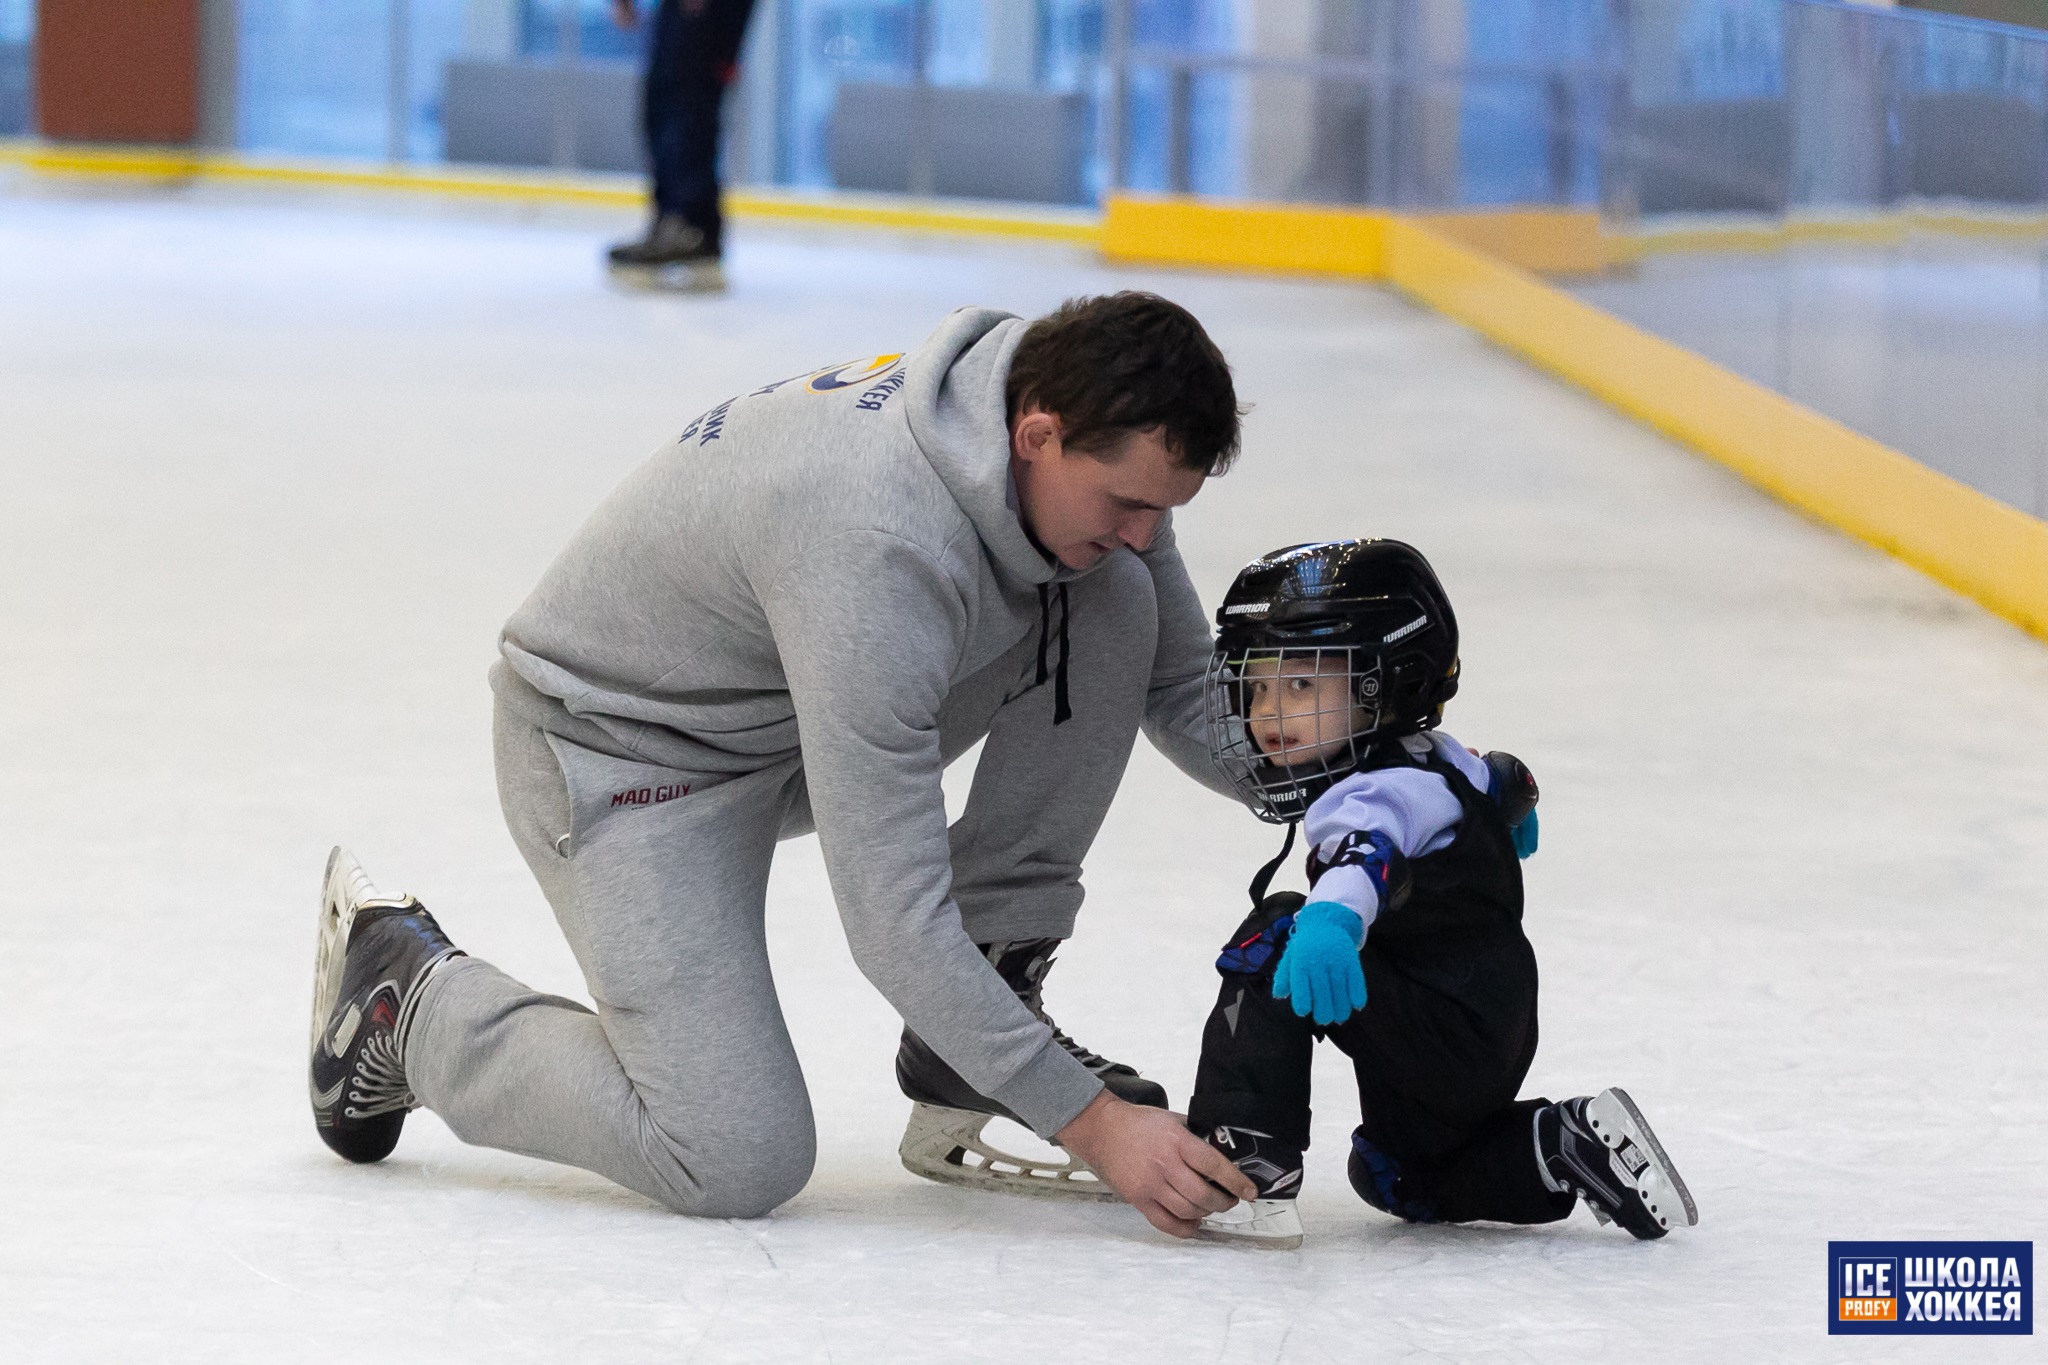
(1035, 435)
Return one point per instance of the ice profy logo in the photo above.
(1868, 1288)
(1931, 1288)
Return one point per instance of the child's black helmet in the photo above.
(1371, 610)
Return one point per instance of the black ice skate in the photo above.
(943, 1141)
(673, 255)
(374, 956)
(1602, 1150)
(1270, 1220)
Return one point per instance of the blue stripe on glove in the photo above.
(1319, 973)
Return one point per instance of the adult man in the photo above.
(691, 59)
(793, 617)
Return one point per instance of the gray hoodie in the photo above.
(809, 569)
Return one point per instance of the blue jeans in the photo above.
(690, 61)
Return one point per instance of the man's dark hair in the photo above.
(1116, 364)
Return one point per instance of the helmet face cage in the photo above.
(1324, 650)
(1286, 722)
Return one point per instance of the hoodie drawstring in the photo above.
(1062, 712)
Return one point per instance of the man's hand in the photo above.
(626, 14)
(1150, 1158)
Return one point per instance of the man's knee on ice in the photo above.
(748, 1175)
(769, 1176)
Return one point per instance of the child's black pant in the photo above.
(1440, 1049)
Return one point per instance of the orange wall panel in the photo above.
(118, 70)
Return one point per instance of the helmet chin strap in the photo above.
(1264, 878)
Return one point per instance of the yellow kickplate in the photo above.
(1182, 231)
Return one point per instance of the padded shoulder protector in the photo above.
(1514, 786)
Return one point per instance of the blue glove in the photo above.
(1525, 836)
(1319, 972)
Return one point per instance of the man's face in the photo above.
(1080, 507)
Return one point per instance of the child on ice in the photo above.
(1333, 663)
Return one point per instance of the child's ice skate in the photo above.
(1269, 1221)
(375, 954)
(1602, 1150)
(943, 1140)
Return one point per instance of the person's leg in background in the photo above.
(691, 60)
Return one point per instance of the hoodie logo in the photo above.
(853, 372)
(707, 428)
(885, 388)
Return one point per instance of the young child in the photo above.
(1333, 663)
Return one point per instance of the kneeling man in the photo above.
(792, 618)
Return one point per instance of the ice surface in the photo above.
(273, 471)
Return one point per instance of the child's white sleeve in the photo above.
(1464, 760)
(1411, 810)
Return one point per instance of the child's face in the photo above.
(1299, 708)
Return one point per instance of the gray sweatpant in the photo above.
(683, 1085)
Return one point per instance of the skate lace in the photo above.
(379, 1085)
(1032, 992)
(1094, 1061)
(1584, 1156)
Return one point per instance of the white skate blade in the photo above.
(706, 277)
(344, 891)
(1618, 1123)
(1268, 1224)
(946, 1145)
